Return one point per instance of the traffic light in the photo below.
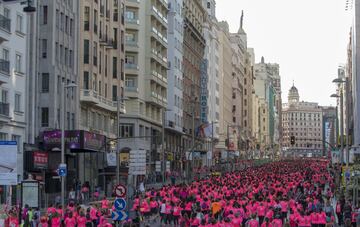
(292, 140)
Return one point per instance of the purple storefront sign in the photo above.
(76, 140)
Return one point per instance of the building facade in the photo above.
(194, 44)
(146, 69)
(226, 90)
(13, 74)
(267, 86)
(304, 121)
(174, 113)
(101, 52)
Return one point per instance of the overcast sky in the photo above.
(308, 38)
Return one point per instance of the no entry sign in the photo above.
(120, 190)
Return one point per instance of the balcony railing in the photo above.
(5, 66)
(132, 20)
(5, 23)
(4, 109)
(131, 43)
(131, 66)
(131, 89)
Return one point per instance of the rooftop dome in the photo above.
(293, 96)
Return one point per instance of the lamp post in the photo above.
(346, 82)
(63, 88)
(341, 124)
(119, 102)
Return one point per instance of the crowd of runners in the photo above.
(286, 193)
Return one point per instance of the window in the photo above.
(45, 14)
(106, 90)
(87, 18)
(68, 120)
(44, 48)
(16, 138)
(17, 107)
(114, 93)
(19, 23)
(45, 83)
(57, 51)
(86, 80)
(71, 26)
(66, 56)
(4, 96)
(95, 21)
(94, 82)
(208, 5)
(130, 82)
(67, 24)
(44, 117)
(6, 12)
(95, 54)
(86, 51)
(126, 130)
(114, 67)
(71, 58)
(6, 54)
(57, 18)
(18, 63)
(3, 136)
(62, 21)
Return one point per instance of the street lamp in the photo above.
(118, 101)
(63, 107)
(212, 138)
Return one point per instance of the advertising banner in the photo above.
(8, 160)
(40, 159)
(75, 140)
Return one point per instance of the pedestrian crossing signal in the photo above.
(292, 140)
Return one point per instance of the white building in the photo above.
(304, 121)
(13, 67)
(211, 31)
(174, 115)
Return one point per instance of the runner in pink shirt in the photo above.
(70, 221)
(81, 220)
(253, 222)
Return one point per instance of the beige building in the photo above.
(226, 80)
(101, 73)
(304, 121)
(244, 85)
(146, 66)
(193, 55)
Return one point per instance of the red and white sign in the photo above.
(40, 159)
(120, 191)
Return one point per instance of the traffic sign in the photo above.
(119, 215)
(120, 190)
(62, 171)
(120, 204)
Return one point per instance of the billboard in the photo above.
(204, 90)
(40, 159)
(8, 163)
(75, 140)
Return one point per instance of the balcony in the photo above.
(159, 37)
(132, 23)
(5, 23)
(108, 43)
(156, 55)
(131, 92)
(158, 78)
(131, 46)
(159, 16)
(91, 97)
(133, 3)
(131, 68)
(4, 66)
(4, 112)
(155, 99)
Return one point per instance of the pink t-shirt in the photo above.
(55, 222)
(81, 221)
(70, 222)
(277, 223)
(261, 211)
(253, 223)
